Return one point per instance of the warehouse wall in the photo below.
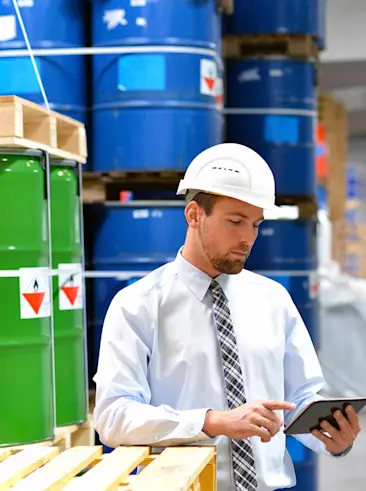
(346, 33)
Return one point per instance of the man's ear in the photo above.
(192, 213)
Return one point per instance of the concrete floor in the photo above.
(348, 473)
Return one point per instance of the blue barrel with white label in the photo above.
(156, 22)
(49, 24)
(286, 251)
(271, 107)
(155, 108)
(278, 17)
(133, 238)
(306, 465)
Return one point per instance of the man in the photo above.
(201, 350)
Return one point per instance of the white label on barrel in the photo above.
(34, 284)
(140, 214)
(267, 231)
(141, 21)
(8, 27)
(208, 77)
(138, 3)
(115, 18)
(250, 75)
(25, 3)
(70, 286)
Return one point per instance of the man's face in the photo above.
(228, 233)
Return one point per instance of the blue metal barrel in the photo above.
(133, 237)
(154, 22)
(285, 251)
(155, 108)
(278, 17)
(285, 245)
(49, 24)
(306, 465)
(271, 107)
(303, 289)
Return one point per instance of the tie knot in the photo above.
(216, 289)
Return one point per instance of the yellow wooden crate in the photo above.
(85, 468)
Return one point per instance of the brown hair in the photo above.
(206, 201)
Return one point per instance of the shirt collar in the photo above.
(194, 278)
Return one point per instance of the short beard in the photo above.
(227, 266)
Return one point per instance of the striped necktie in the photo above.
(242, 453)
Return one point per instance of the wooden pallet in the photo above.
(26, 125)
(292, 46)
(66, 437)
(307, 205)
(107, 186)
(225, 7)
(85, 468)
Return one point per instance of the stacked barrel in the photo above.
(271, 51)
(49, 24)
(42, 339)
(154, 106)
(157, 103)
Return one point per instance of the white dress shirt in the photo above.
(160, 369)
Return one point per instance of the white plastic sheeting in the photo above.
(342, 352)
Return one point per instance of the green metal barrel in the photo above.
(26, 361)
(68, 303)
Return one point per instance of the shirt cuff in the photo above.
(342, 454)
(193, 421)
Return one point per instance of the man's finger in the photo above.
(268, 424)
(344, 425)
(278, 405)
(335, 434)
(353, 419)
(267, 413)
(320, 436)
(264, 435)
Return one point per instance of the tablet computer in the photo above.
(310, 417)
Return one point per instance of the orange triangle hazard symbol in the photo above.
(210, 82)
(71, 292)
(35, 300)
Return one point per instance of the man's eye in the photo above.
(234, 222)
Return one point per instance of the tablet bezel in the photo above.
(337, 403)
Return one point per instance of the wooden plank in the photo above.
(127, 484)
(11, 120)
(15, 142)
(176, 469)
(196, 485)
(57, 473)
(71, 135)
(112, 470)
(208, 477)
(294, 46)
(4, 453)
(14, 468)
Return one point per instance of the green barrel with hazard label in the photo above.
(27, 411)
(68, 302)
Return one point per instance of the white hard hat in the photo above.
(232, 170)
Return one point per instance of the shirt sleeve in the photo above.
(303, 374)
(123, 414)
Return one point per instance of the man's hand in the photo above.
(337, 441)
(256, 419)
